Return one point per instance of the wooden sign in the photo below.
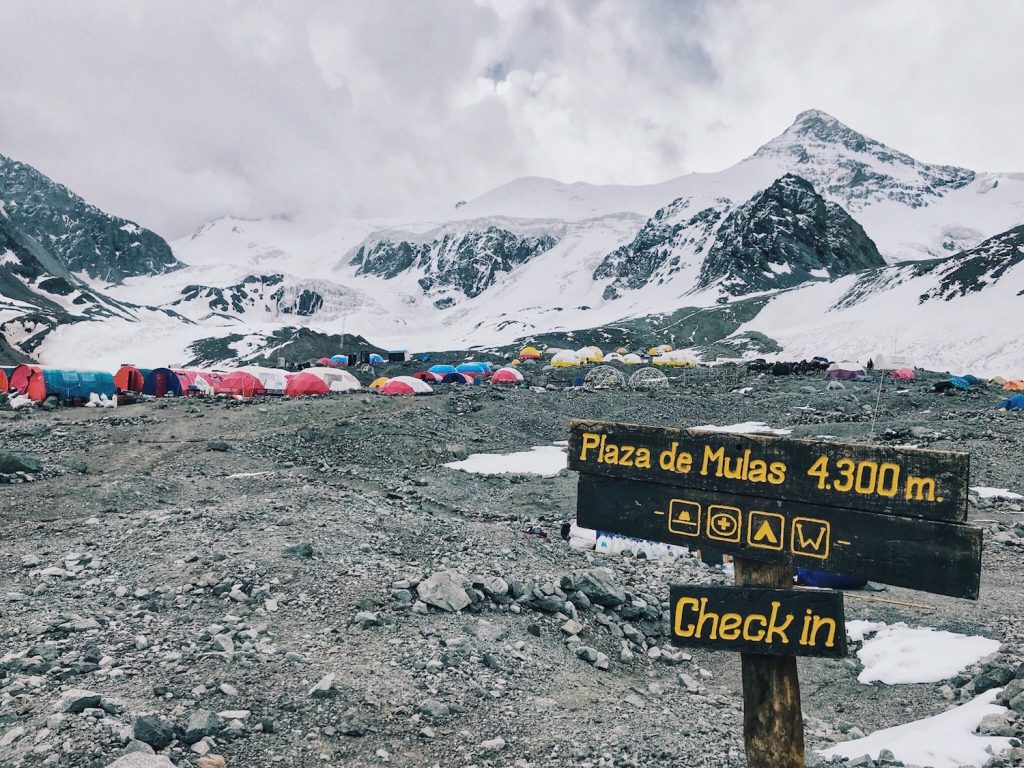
(893, 481)
(779, 622)
(893, 515)
(944, 558)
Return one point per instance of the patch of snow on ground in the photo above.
(946, 740)
(543, 460)
(745, 428)
(901, 654)
(995, 493)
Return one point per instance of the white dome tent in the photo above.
(604, 377)
(336, 379)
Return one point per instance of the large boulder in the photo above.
(76, 700)
(201, 723)
(598, 584)
(445, 590)
(11, 462)
(151, 730)
(142, 760)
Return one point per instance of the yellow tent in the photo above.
(379, 382)
(590, 354)
(567, 358)
(674, 359)
(529, 353)
(516, 362)
(632, 359)
(998, 380)
(620, 351)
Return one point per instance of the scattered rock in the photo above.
(151, 730)
(444, 590)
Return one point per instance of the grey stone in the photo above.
(11, 462)
(587, 653)
(599, 585)
(153, 731)
(201, 723)
(303, 550)
(492, 745)
(444, 590)
(323, 689)
(77, 699)
(572, 627)
(141, 760)
(433, 708)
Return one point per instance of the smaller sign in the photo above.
(779, 622)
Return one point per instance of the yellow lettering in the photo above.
(747, 634)
(643, 458)
(733, 468)
(684, 462)
(667, 460)
(777, 473)
(590, 440)
(681, 605)
(729, 626)
(706, 615)
(819, 623)
(710, 455)
(610, 454)
(626, 460)
(758, 471)
(920, 488)
(777, 629)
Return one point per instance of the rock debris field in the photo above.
(304, 583)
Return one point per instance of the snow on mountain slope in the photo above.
(960, 314)
(912, 210)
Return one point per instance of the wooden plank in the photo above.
(944, 558)
(893, 481)
(755, 619)
(773, 726)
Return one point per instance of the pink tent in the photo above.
(306, 384)
(428, 376)
(240, 383)
(405, 385)
(903, 374)
(507, 376)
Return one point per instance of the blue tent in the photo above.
(339, 359)
(77, 385)
(161, 382)
(960, 382)
(442, 370)
(972, 380)
(457, 378)
(1015, 403)
(474, 368)
(827, 580)
(376, 359)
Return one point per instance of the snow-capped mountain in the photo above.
(819, 216)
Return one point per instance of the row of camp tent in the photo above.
(75, 386)
(571, 358)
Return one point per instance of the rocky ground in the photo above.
(302, 583)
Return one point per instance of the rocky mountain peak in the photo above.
(783, 236)
(61, 228)
(856, 169)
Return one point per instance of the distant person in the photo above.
(871, 364)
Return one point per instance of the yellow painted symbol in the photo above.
(810, 537)
(766, 530)
(724, 523)
(684, 517)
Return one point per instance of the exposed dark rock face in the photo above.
(75, 234)
(784, 236)
(465, 262)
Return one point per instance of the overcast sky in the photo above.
(175, 113)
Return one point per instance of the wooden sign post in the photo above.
(893, 515)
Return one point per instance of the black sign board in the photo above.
(781, 622)
(944, 558)
(892, 481)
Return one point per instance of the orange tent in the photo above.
(129, 379)
(1014, 386)
(29, 381)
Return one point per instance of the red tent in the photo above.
(507, 376)
(324, 361)
(129, 379)
(305, 384)
(428, 376)
(193, 382)
(4, 384)
(29, 381)
(240, 383)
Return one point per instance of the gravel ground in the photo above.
(244, 579)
